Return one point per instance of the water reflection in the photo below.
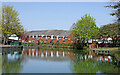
(0, 63)
(93, 63)
(11, 63)
(57, 61)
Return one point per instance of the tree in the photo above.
(116, 7)
(116, 12)
(112, 31)
(24, 34)
(85, 29)
(10, 22)
(109, 29)
(0, 24)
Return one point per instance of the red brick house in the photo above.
(54, 40)
(48, 40)
(48, 36)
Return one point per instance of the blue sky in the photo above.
(59, 15)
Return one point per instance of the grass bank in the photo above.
(48, 45)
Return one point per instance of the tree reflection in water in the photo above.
(0, 63)
(94, 65)
(11, 66)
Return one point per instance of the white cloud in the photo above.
(58, 0)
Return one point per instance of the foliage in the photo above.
(38, 42)
(10, 22)
(110, 30)
(0, 21)
(116, 7)
(85, 28)
(24, 33)
(116, 12)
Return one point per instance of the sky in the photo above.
(59, 0)
(59, 15)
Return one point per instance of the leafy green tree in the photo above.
(0, 24)
(10, 22)
(116, 12)
(109, 29)
(85, 29)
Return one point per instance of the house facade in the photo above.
(48, 36)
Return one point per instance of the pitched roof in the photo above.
(61, 33)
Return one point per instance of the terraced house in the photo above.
(48, 36)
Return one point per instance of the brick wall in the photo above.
(48, 41)
(35, 40)
(55, 40)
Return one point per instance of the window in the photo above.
(33, 36)
(23, 41)
(33, 41)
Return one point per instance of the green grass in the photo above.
(47, 48)
(48, 45)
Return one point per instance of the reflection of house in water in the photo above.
(105, 59)
(35, 52)
(101, 58)
(48, 54)
(59, 55)
(56, 55)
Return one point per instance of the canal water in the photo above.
(57, 61)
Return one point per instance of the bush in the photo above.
(31, 44)
(38, 42)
